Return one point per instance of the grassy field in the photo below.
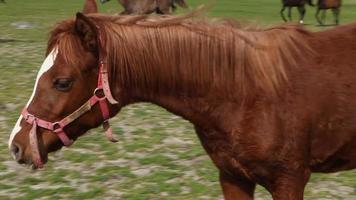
(158, 155)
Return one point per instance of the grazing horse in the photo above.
(324, 5)
(149, 6)
(90, 6)
(300, 4)
(270, 106)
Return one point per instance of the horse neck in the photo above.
(174, 76)
(193, 109)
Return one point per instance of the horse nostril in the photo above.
(16, 152)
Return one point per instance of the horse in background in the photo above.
(300, 4)
(324, 5)
(90, 6)
(2, 1)
(149, 6)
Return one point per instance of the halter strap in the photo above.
(103, 81)
(58, 127)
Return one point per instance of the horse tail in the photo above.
(310, 2)
(181, 3)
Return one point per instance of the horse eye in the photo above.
(63, 84)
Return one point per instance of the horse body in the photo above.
(336, 125)
(327, 4)
(324, 5)
(300, 4)
(284, 109)
(138, 7)
(149, 6)
(90, 6)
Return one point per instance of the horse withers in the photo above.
(299, 4)
(324, 5)
(149, 6)
(269, 106)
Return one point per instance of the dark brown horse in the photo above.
(149, 6)
(324, 5)
(300, 4)
(269, 106)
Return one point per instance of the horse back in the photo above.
(293, 3)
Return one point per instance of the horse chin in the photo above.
(44, 156)
(30, 163)
(35, 166)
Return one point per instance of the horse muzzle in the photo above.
(20, 155)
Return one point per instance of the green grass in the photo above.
(143, 164)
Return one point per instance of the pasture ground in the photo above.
(158, 155)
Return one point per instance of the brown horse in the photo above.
(324, 5)
(269, 106)
(149, 6)
(90, 6)
(300, 4)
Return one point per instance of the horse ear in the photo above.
(87, 31)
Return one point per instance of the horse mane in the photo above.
(186, 54)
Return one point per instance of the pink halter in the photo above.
(58, 127)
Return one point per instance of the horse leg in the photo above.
(317, 16)
(323, 16)
(301, 10)
(282, 14)
(336, 12)
(236, 188)
(290, 13)
(290, 185)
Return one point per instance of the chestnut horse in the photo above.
(149, 6)
(300, 4)
(324, 5)
(269, 106)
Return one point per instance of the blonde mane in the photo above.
(188, 55)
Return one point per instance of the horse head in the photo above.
(69, 97)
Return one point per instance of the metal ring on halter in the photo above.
(57, 127)
(96, 94)
(28, 116)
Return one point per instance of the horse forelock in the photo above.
(69, 46)
(183, 54)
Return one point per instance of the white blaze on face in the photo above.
(47, 64)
